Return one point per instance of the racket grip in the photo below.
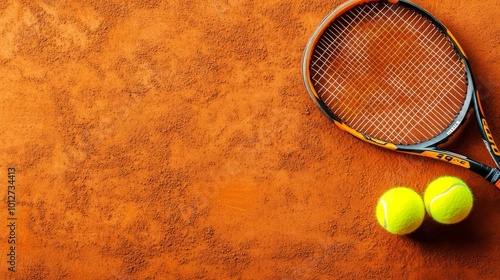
(494, 177)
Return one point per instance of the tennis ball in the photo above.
(448, 200)
(400, 210)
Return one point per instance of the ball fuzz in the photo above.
(400, 210)
(448, 200)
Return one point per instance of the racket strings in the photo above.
(385, 103)
(388, 72)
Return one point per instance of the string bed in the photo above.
(388, 72)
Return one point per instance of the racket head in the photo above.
(363, 55)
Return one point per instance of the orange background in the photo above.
(163, 140)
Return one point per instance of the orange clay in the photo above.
(174, 140)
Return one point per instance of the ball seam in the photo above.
(384, 205)
(441, 195)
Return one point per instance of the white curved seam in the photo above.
(441, 195)
(385, 213)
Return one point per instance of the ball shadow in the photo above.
(436, 236)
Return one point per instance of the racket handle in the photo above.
(491, 174)
(494, 177)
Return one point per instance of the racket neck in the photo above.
(490, 174)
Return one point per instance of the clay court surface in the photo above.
(175, 140)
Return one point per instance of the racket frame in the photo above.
(428, 148)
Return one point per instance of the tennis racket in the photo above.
(391, 74)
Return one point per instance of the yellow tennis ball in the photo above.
(400, 210)
(448, 200)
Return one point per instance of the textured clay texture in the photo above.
(175, 140)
